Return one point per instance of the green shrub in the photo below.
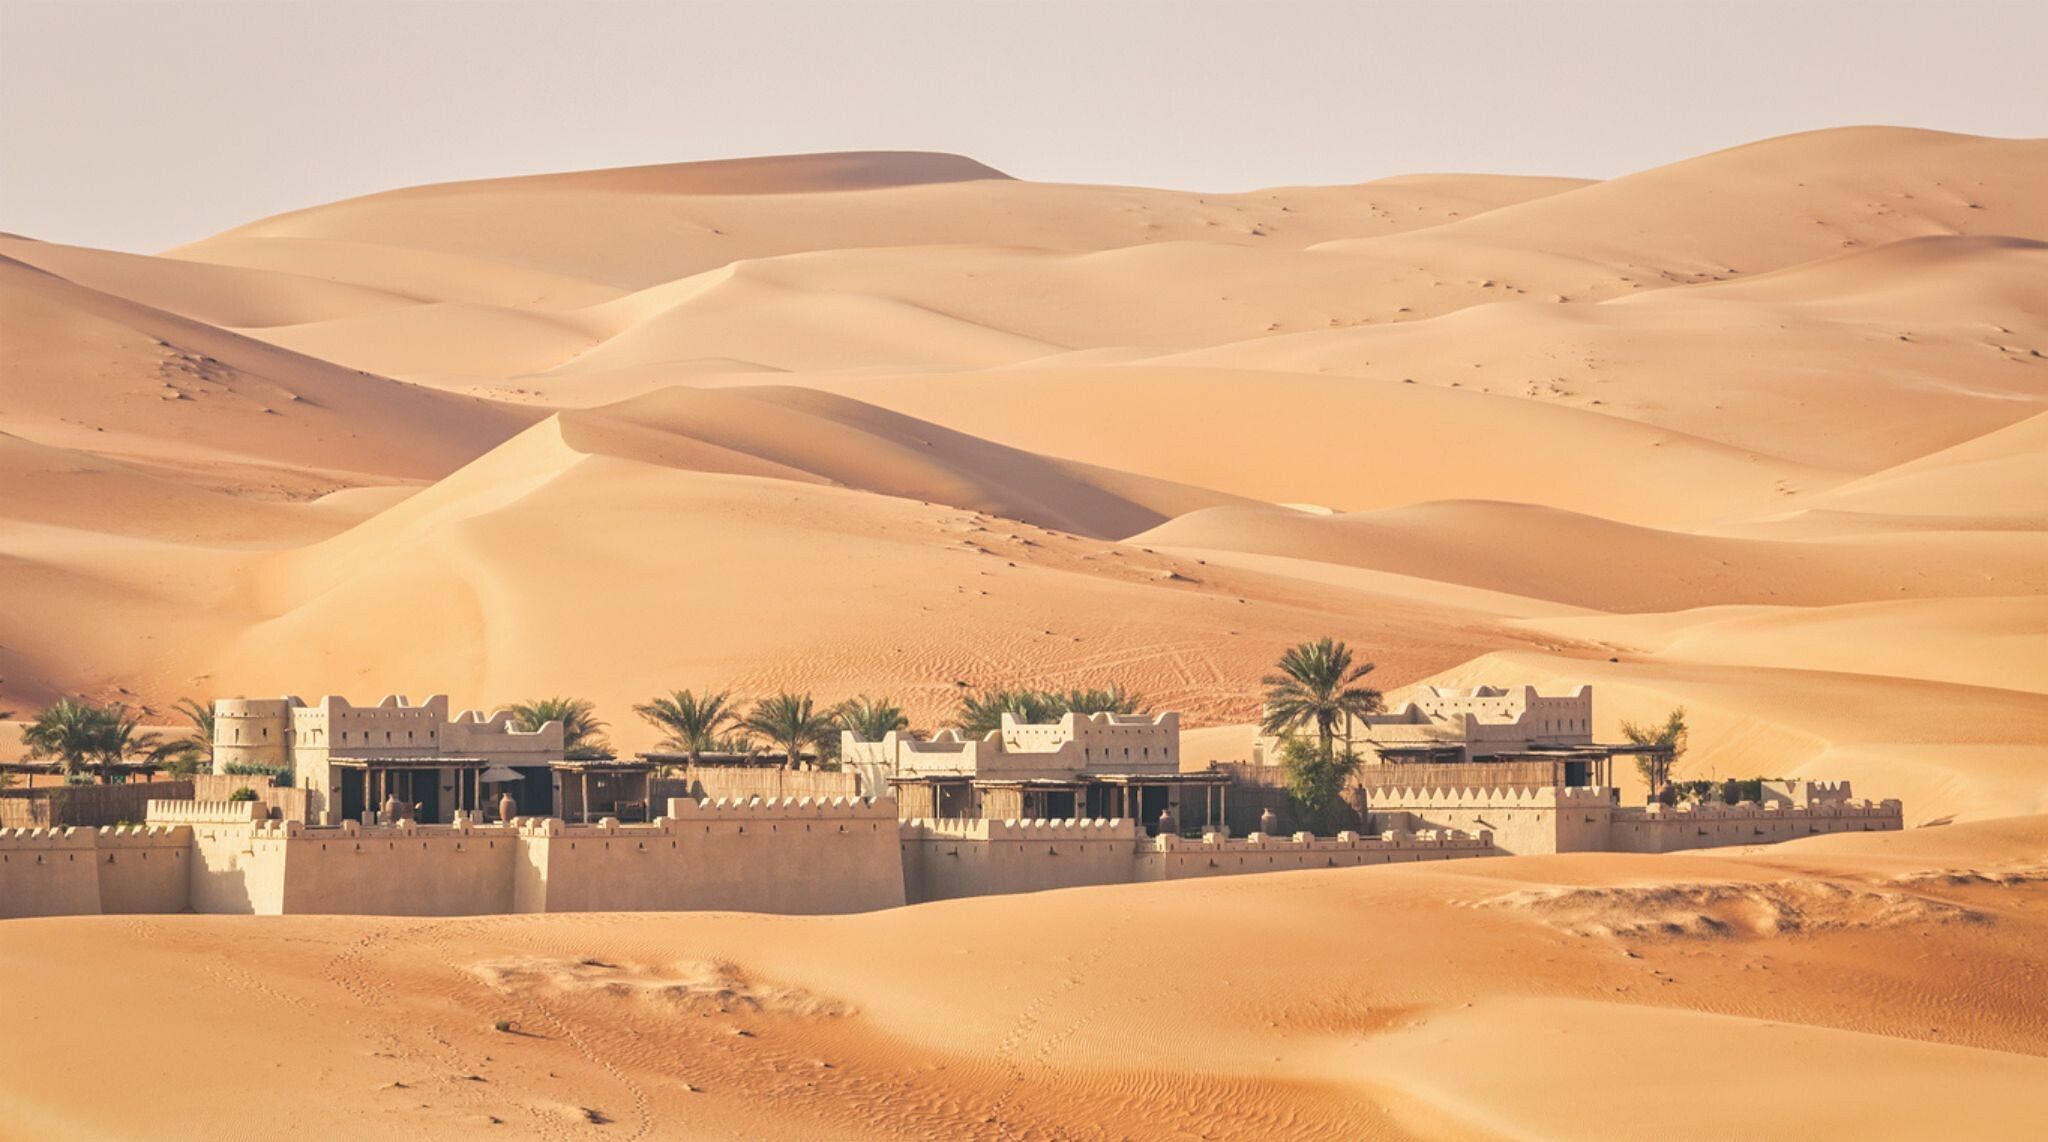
(243, 794)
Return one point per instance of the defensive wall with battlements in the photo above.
(1565, 819)
(796, 856)
(803, 856)
(944, 859)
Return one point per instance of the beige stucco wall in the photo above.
(48, 872)
(794, 857)
(947, 859)
(944, 860)
(403, 870)
(1658, 829)
(1523, 820)
(1173, 858)
(144, 868)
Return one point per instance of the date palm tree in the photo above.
(123, 737)
(582, 733)
(69, 731)
(791, 721)
(1113, 699)
(689, 722)
(982, 712)
(194, 751)
(79, 734)
(1316, 684)
(869, 719)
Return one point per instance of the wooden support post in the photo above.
(586, 797)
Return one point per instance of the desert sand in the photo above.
(1763, 433)
(1875, 985)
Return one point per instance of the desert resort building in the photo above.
(397, 809)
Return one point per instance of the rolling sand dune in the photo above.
(1762, 433)
(1520, 548)
(88, 370)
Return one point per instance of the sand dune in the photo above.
(1545, 552)
(1797, 378)
(741, 564)
(87, 370)
(1759, 433)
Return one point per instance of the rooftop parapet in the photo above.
(1097, 829)
(1750, 810)
(66, 836)
(1492, 796)
(784, 808)
(204, 812)
(1343, 842)
(143, 832)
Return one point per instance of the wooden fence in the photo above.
(715, 781)
(86, 806)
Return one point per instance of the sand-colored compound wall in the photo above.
(947, 859)
(1175, 858)
(401, 870)
(943, 860)
(1661, 829)
(1567, 820)
(1522, 820)
(72, 872)
(796, 856)
(48, 872)
(789, 856)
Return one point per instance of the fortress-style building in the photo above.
(1082, 767)
(404, 810)
(351, 760)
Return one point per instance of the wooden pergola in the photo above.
(608, 770)
(378, 774)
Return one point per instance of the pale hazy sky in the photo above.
(144, 123)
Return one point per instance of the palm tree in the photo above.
(792, 722)
(1112, 700)
(869, 719)
(983, 712)
(71, 732)
(123, 735)
(582, 738)
(1664, 744)
(1317, 683)
(188, 754)
(79, 734)
(690, 723)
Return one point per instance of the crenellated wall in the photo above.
(796, 856)
(1176, 858)
(952, 858)
(943, 859)
(80, 871)
(1565, 819)
(784, 856)
(1663, 829)
(1522, 819)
